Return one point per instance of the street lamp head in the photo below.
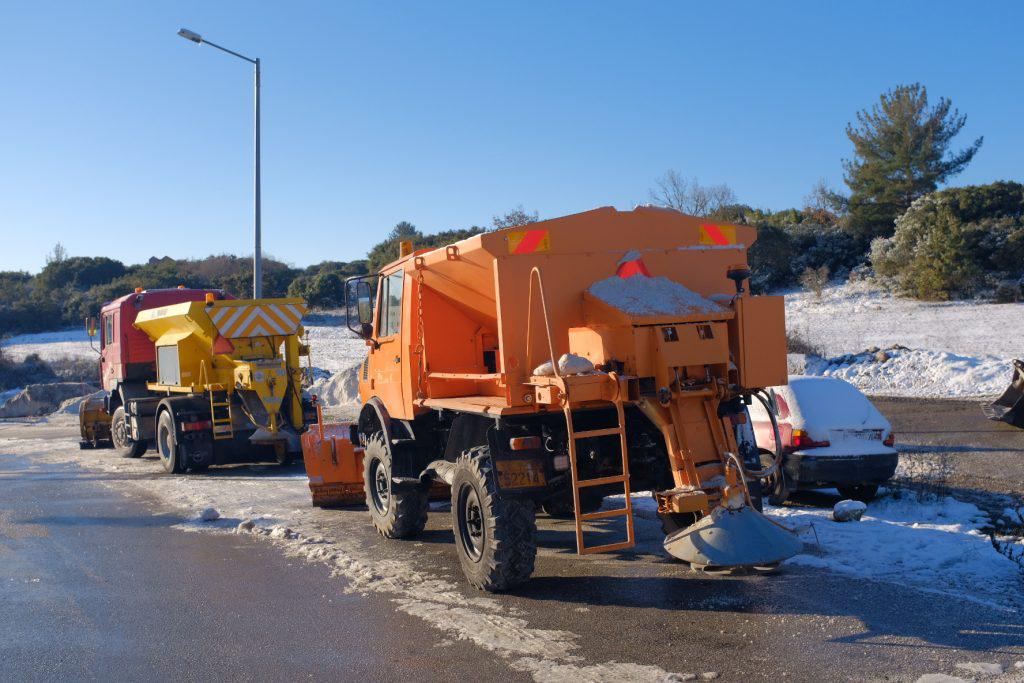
(189, 35)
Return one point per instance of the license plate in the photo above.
(858, 434)
(520, 474)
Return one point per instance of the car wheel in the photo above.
(862, 492)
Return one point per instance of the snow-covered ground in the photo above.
(933, 544)
(73, 343)
(957, 348)
(857, 315)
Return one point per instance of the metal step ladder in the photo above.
(224, 424)
(578, 484)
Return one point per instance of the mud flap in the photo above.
(1009, 407)
(733, 538)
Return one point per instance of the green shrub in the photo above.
(952, 243)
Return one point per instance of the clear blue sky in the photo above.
(120, 138)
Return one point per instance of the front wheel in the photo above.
(494, 536)
(120, 436)
(395, 514)
(167, 444)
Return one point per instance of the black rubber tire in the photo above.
(394, 514)
(561, 506)
(167, 444)
(862, 492)
(124, 445)
(777, 487)
(496, 545)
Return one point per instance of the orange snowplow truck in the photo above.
(559, 363)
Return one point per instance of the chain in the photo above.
(420, 393)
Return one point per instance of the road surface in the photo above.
(104, 575)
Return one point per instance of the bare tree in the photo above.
(514, 218)
(689, 196)
(58, 254)
(824, 205)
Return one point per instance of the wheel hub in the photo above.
(471, 523)
(381, 487)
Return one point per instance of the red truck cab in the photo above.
(127, 355)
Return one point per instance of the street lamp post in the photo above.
(257, 258)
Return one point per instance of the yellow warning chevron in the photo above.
(237, 319)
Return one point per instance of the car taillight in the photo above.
(524, 443)
(890, 440)
(802, 440)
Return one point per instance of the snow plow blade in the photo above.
(334, 465)
(1009, 407)
(731, 539)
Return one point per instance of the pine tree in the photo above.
(900, 148)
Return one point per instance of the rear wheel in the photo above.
(167, 444)
(395, 514)
(120, 436)
(494, 536)
(862, 492)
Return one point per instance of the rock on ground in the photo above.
(42, 399)
(209, 514)
(849, 511)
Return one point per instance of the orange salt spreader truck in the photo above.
(554, 365)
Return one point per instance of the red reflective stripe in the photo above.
(531, 240)
(715, 234)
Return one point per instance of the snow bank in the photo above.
(935, 545)
(341, 388)
(639, 295)
(41, 399)
(916, 372)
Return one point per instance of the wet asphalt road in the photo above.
(94, 586)
(978, 455)
(123, 594)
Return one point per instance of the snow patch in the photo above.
(568, 364)
(916, 372)
(639, 295)
(935, 545)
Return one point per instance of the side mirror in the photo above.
(366, 330)
(90, 326)
(359, 304)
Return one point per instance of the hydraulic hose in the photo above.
(769, 406)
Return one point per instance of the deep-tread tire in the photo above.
(561, 506)
(394, 514)
(506, 529)
(124, 445)
(167, 444)
(862, 492)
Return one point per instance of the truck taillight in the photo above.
(890, 440)
(802, 440)
(524, 443)
(197, 426)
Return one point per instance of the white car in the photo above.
(832, 436)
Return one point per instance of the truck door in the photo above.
(110, 350)
(387, 358)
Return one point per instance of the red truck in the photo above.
(127, 362)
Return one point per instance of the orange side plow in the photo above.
(334, 464)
